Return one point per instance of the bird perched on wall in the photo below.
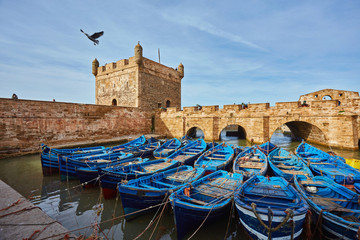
(94, 36)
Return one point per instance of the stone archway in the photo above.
(195, 132)
(300, 130)
(232, 131)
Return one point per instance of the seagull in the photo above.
(94, 36)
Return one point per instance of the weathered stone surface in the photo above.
(321, 121)
(24, 124)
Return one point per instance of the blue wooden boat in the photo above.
(269, 203)
(134, 143)
(208, 198)
(69, 151)
(90, 175)
(167, 148)
(321, 163)
(287, 165)
(333, 205)
(189, 153)
(267, 147)
(211, 144)
(186, 140)
(68, 165)
(145, 150)
(306, 150)
(110, 177)
(216, 158)
(149, 191)
(357, 187)
(50, 156)
(251, 162)
(239, 149)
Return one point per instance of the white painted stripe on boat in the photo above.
(346, 226)
(265, 217)
(262, 236)
(340, 236)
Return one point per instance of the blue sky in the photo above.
(233, 51)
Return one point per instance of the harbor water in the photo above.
(82, 210)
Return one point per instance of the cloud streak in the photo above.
(194, 22)
(242, 51)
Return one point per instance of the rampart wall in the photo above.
(24, 124)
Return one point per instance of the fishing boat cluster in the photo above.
(276, 193)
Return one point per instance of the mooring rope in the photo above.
(159, 217)
(105, 221)
(201, 223)
(289, 213)
(155, 217)
(230, 215)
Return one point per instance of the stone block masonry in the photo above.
(24, 124)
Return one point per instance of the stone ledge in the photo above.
(20, 218)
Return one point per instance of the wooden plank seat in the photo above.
(282, 157)
(191, 153)
(181, 157)
(215, 193)
(192, 200)
(215, 158)
(144, 185)
(327, 199)
(251, 165)
(162, 183)
(294, 172)
(287, 166)
(324, 163)
(156, 167)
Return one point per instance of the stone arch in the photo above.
(114, 102)
(233, 130)
(304, 130)
(327, 97)
(168, 103)
(195, 132)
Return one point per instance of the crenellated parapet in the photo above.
(120, 65)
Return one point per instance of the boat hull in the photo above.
(134, 202)
(195, 217)
(257, 231)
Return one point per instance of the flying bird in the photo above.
(94, 36)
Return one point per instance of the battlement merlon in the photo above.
(144, 65)
(147, 65)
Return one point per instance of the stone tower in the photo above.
(138, 82)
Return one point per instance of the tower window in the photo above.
(168, 103)
(114, 102)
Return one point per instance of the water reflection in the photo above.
(76, 207)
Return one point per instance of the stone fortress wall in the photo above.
(25, 124)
